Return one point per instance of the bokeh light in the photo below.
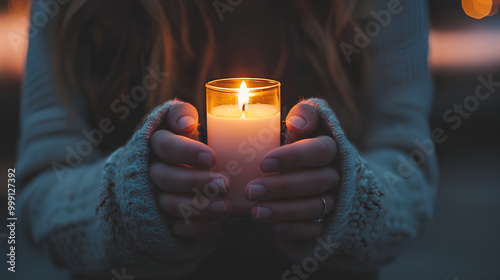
(14, 25)
(494, 9)
(479, 9)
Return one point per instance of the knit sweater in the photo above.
(93, 213)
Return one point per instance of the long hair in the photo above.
(103, 49)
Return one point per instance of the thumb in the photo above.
(182, 119)
(302, 121)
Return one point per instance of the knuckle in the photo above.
(175, 110)
(185, 107)
(317, 207)
(308, 110)
(281, 210)
(286, 211)
(284, 189)
(162, 197)
(197, 180)
(180, 109)
(155, 139)
(328, 175)
(326, 148)
(290, 211)
(335, 176)
(154, 172)
(169, 205)
(303, 108)
(166, 143)
(313, 207)
(161, 142)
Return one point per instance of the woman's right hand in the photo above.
(187, 190)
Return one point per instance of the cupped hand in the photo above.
(187, 190)
(292, 199)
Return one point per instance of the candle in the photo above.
(243, 124)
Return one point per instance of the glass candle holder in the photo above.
(243, 124)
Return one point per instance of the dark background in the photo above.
(463, 241)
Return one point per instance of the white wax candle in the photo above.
(240, 144)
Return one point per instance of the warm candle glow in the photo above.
(243, 98)
(240, 134)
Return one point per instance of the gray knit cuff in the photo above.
(357, 220)
(134, 227)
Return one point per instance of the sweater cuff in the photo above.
(357, 221)
(134, 227)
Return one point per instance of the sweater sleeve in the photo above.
(103, 213)
(91, 212)
(388, 182)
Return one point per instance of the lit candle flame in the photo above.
(243, 98)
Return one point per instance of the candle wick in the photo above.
(243, 109)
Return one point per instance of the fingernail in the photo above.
(263, 213)
(218, 206)
(256, 191)
(270, 165)
(206, 158)
(186, 122)
(296, 122)
(281, 227)
(220, 184)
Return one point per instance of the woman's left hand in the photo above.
(292, 199)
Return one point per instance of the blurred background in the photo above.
(463, 241)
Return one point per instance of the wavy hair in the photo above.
(127, 36)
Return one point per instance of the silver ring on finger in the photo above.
(319, 219)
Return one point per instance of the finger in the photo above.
(295, 184)
(190, 206)
(182, 179)
(177, 149)
(312, 152)
(196, 228)
(299, 230)
(302, 121)
(295, 209)
(182, 118)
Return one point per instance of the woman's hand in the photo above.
(179, 168)
(292, 199)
